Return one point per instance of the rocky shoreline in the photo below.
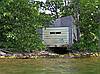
(46, 54)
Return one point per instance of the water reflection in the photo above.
(50, 66)
(73, 66)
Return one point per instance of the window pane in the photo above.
(58, 32)
(52, 32)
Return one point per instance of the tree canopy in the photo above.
(19, 20)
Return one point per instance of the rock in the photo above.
(2, 53)
(43, 53)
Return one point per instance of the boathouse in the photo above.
(61, 33)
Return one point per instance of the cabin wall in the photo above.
(70, 36)
(56, 37)
(40, 31)
(74, 32)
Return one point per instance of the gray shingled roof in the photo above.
(63, 22)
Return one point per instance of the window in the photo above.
(58, 32)
(52, 32)
(55, 32)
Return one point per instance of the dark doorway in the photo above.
(60, 50)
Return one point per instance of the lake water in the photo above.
(71, 66)
(50, 66)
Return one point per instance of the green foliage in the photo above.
(59, 8)
(89, 11)
(19, 20)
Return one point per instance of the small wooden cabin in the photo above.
(61, 33)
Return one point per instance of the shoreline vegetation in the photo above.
(21, 22)
(46, 54)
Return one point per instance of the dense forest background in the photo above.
(20, 19)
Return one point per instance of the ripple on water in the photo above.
(50, 66)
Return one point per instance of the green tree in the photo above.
(19, 21)
(59, 8)
(89, 11)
